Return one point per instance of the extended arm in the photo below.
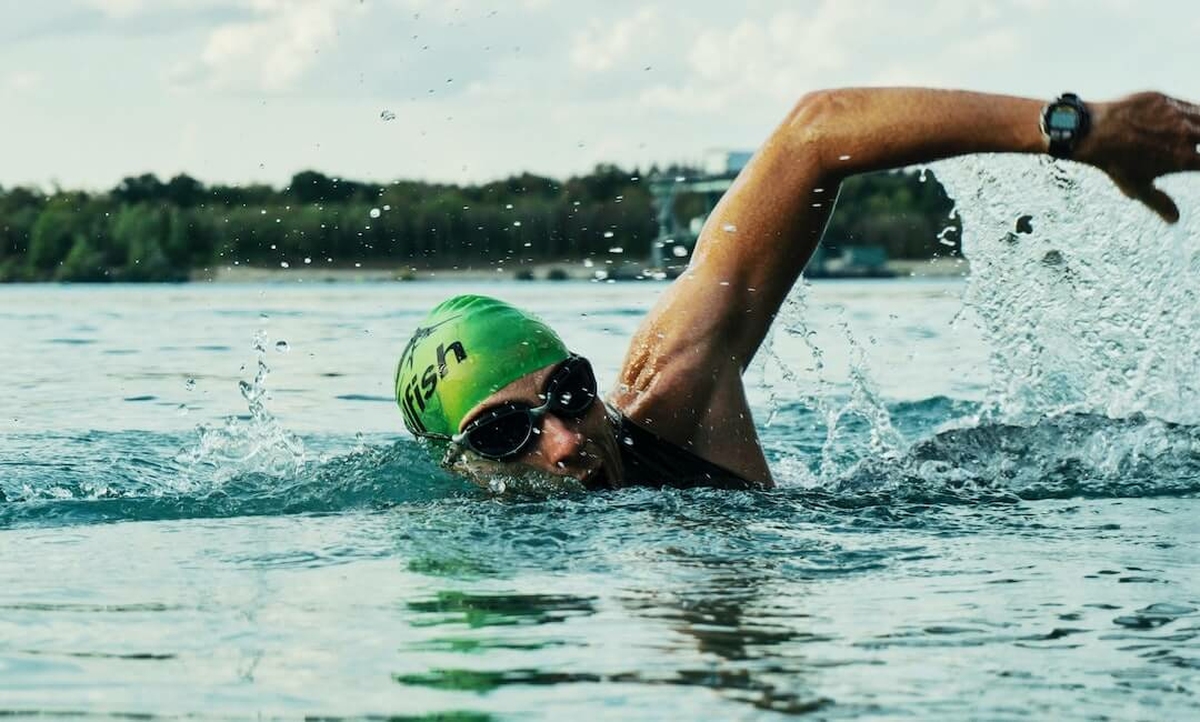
(684, 366)
(762, 233)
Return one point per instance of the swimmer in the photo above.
(497, 393)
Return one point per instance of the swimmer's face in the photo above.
(583, 449)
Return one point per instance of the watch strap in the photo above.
(1063, 146)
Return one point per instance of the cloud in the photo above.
(605, 45)
(118, 8)
(546, 85)
(23, 81)
(271, 51)
(122, 10)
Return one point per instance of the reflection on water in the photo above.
(696, 626)
(499, 610)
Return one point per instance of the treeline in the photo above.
(906, 212)
(145, 229)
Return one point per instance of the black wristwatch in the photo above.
(1065, 122)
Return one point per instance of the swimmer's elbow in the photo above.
(812, 109)
(808, 122)
(811, 128)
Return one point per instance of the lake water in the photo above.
(208, 508)
(162, 556)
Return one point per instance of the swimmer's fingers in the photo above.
(1178, 131)
(1192, 115)
(1159, 202)
(1149, 194)
(1143, 137)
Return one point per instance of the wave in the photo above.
(136, 476)
(243, 469)
(1071, 455)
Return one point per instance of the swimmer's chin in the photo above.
(503, 480)
(531, 484)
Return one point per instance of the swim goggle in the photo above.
(506, 430)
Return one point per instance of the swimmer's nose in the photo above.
(559, 442)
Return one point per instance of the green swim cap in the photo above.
(466, 349)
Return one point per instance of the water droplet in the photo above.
(375, 213)
(616, 249)
(190, 384)
(608, 234)
(843, 157)
(628, 440)
(282, 346)
(307, 260)
(729, 228)
(284, 264)
(387, 115)
(679, 251)
(516, 224)
(497, 486)
(182, 410)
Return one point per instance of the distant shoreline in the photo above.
(900, 269)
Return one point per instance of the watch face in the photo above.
(1063, 117)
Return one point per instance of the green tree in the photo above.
(84, 262)
(52, 236)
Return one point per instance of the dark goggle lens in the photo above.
(573, 389)
(503, 434)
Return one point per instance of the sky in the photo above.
(240, 91)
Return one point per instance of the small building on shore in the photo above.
(682, 205)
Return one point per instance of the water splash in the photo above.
(258, 444)
(1058, 457)
(864, 402)
(1086, 299)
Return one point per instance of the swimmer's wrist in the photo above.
(1093, 145)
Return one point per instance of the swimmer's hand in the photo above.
(1137, 139)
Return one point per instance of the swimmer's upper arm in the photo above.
(753, 246)
(758, 239)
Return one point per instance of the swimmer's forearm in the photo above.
(859, 130)
(764, 230)
(1135, 139)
